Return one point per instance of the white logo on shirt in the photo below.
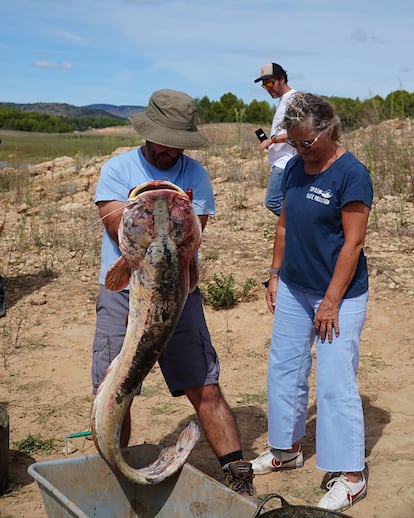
(319, 195)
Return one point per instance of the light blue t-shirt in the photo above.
(123, 172)
(314, 235)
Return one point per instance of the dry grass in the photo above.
(50, 254)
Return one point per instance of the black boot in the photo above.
(239, 477)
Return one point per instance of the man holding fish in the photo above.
(189, 363)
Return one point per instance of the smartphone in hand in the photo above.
(261, 135)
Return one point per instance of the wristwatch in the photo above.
(274, 271)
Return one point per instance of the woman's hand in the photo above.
(326, 319)
(271, 293)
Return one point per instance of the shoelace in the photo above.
(243, 485)
(241, 482)
(335, 487)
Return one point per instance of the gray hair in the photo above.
(306, 109)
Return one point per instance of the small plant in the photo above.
(256, 398)
(211, 255)
(263, 172)
(239, 200)
(34, 444)
(240, 116)
(13, 334)
(247, 287)
(22, 232)
(220, 293)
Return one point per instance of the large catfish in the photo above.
(159, 236)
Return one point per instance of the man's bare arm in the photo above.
(111, 214)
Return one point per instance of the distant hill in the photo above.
(118, 111)
(71, 111)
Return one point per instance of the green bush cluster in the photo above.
(355, 114)
(221, 293)
(232, 109)
(14, 119)
(352, 112)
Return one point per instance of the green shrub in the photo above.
(221, 293)
(34, 444)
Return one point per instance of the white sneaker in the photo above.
(275, 460)
(342, 493)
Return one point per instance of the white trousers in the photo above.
(340, 438)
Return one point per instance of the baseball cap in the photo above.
(270, 70)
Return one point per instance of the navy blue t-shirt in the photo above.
(314, 234)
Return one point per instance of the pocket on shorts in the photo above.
(211, 358)
(100, 359)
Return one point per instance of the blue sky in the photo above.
(119, 51)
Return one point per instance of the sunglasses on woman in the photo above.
(306, 144)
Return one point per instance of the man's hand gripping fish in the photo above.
(159, 235)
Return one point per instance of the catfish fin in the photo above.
(117, 277)
(193, 266)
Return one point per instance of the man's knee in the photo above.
(203, 395)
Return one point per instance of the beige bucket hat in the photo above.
(169, 120)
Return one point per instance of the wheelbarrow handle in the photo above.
(79, 434)
(265, 499)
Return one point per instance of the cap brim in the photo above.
(262, 78)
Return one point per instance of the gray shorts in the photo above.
(189, 360)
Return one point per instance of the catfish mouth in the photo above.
(153, 186)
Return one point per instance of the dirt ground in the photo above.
(50, 257)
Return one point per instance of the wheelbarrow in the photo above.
(85, 487)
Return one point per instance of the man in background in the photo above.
(275, 81)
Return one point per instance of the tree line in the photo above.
(14, 119)
(353, 113)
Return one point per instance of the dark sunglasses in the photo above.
(307, 144)
(268, 84)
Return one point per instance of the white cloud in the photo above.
(361, 36)
(125, 49)
(68, 36)
(64, 65)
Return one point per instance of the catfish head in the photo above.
(156, 211)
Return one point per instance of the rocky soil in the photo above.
(50, 256)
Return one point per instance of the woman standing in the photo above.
(318, 288)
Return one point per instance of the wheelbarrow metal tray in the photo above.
(85, 487)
